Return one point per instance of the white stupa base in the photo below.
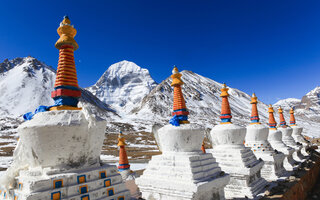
(59, 152)
(182, 171)
(129, 177)
(45, 184)
(238, 161)
(273, 168)
(257, 140)
(296, 134)
(182, 175)
(275, 140)
(289, 141)
(244, 170)
(304, 150)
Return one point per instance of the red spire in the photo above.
(225, 107)
(282, 120)
(272, 121)
(292, 118)
(180, 111)
(254, 113)
(123, 158)
(203, 148)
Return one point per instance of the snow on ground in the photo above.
(5, 161)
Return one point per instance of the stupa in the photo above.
(183, 171)
(257, 139)
(128, 176)
(234, 158)
(287, 137)
(296, 133)
(58, 153)
(275, 139)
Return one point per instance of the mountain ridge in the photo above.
(138, 100)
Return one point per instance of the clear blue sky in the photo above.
(268, 47)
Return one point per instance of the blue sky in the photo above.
(269, 47)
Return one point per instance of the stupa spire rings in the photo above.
(123, 158)
(292, 118)
(180, 112)
(225, 106)
(272, 122)
(254, 113)
(283, 122)
(66, 92)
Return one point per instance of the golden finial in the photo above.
(176, 77)
(291, 110)
(254, 99)
(270, 109)
(280, 109)
(224, 91)
(67, 33)
(66, 20)
(121, 139)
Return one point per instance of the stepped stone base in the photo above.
(257, 140)
(98, 183)
(273, 168)
(244, 170)
(182, 176)
(296, 134)
(275, 140)
(289, 141)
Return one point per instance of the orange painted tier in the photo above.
(272, 122)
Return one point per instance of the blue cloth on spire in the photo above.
(175, 120)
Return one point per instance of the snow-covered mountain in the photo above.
(26, 83)
(203, 101)
(286, 104)
(141, 102)
(307, 110)
(123, 86)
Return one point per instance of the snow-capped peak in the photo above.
(123, 85)
(286, 104)
(314, 91)
(24, 83)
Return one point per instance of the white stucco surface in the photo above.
(182, 171)
(257, 139)
(275, 139)
(61, 145)
(296, 134)
(289, 141)
(238, 161)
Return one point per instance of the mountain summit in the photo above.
(123, 86)
(24, 85)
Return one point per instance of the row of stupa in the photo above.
(58, 153)
(241, 164)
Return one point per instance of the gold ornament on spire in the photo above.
(67, 34)
(176, 77)
(254, 99)
(121, 140)
(224, 91)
